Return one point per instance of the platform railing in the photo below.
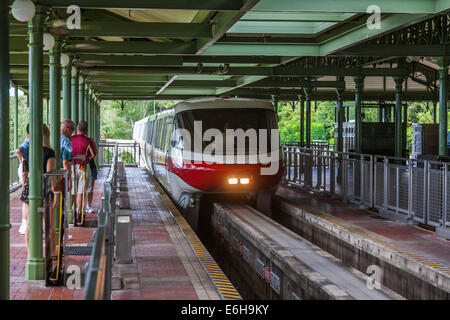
(99, 272)
(401, 189)
(129, 152)
(14, 179)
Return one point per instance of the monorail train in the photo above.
(184, 149)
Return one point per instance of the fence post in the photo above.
(444, 198)
(410, 190)
(332, 174)
(385, 182)
(426, 182)
(362, 180)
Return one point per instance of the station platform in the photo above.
(415, 260)
(169, 261)
(78, 237)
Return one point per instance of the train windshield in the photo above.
(219, 120)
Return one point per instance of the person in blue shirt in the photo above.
(67, 128)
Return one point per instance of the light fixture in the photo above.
(244, 180)
(49, 42)
(232, 180)
(23, 10)
(74, 72)
(64, 60)
(80, 80)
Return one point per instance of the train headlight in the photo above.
(244, 180)
(233, 180)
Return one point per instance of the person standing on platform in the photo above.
(48, 165)
(67, 129)
(82, 145)
(89, 208)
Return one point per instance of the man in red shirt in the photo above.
(82, 145)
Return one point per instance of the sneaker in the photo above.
(89, 209)
(23, 226)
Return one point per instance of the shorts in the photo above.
(78, 178)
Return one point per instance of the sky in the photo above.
(11, 92)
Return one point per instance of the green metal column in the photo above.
(443, 95)
(66, 76)
(34, 269)
(55, 99)
(5, 225)
(340, 120)
(380, 113)
(398, 115)
(86, 100)
(80, 99)
(16, 116)
(308, 116)
(359, 86)
(74, 94)
(301, 98)
(89, 112)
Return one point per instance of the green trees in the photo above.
(118, 118)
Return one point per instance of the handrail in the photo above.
(98, 277)
(402, 189)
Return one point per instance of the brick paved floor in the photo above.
(164, 266)
(20, 288)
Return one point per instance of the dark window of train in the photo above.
(159, 137)
(167, 132)
(223, 119)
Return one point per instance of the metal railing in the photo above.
(99, 272)
(14, 179)
(402, 189)
(129, 152)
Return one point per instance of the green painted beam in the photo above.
(223, 23)
(176, 83)
(109, 78)
(216, 5)
(437, 50)
(296, 84)
(87, 60)
(247, 71)
(362, 33)
(298, 17)
(131, 47)
(268, 49)
(139, 30)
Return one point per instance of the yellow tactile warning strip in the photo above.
(364, 234)
(226, 289)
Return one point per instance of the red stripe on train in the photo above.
(214, 177)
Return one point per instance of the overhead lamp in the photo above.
(23, 10)
(64, 60)
(80, 80)
(49, 41)
(74, 72)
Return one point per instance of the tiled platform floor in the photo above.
(164, 265)
(21, 289)
(409, 238)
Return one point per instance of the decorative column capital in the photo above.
(443, 62)
(307, 91)
(359, 82)
(301, 95)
